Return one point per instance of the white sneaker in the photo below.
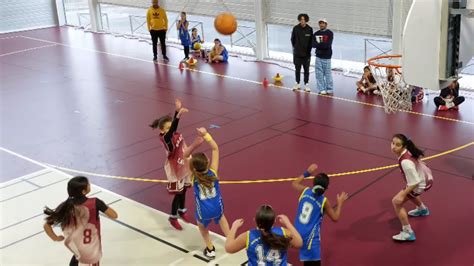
(330, 91)
(210, 254)
(405, 236)
(306, 88)
(377, 92)
(296, 87)
(323, 92)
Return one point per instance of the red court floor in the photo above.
(84, 101)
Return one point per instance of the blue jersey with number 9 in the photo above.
(309, 217)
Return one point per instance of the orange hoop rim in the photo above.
(372, 61)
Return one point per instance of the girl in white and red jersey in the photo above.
(78, 217)
(418, 178)
(177, 162)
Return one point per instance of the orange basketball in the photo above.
(225, 23)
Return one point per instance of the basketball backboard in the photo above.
(437, 42)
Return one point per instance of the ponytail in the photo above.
(320, 184)
(160, 122)
(275, 241)
(265, 219)
(199, 167)
(410, 146)
(204, 180)
(64, 214)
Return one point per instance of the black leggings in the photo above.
(301, 61)
(161, 34)
(178, 202)
(439, 101)
(186, 51)
(312, 263)
(75, 262)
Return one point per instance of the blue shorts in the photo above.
(206, 222)
(311, 254)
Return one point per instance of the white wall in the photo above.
(372, 17)
(16, 15)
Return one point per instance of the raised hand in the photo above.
(237, 224)
(202, 131)
(182, 111)
(342, 197)
(283, 219)
(178, 104)
(312, 168)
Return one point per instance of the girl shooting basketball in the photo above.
(266, 245)
(177, 162)
(78, 217)
(209, 203)
(418, 178)
(311, 208)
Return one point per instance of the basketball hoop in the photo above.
(396, 93)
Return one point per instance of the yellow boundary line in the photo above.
(272, 180)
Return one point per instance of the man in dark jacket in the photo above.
(323, 44)
(449, 97)
(301, 40)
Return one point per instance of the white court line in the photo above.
(249, 81)
(29, 49)
(23, 178)
(11, 37)
(147, 61)
(111, 192)
(215, 261)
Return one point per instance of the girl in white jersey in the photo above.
(418, 178)
(78, 217)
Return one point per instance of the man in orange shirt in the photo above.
(157, 23)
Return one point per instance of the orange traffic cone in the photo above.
(265, 82)
(181, 65)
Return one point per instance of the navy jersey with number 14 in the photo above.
(260, 254)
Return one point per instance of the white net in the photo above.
(396, 93)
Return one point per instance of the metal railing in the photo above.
(87, 18)
(243, 36)
(139, 22)
(372, 43)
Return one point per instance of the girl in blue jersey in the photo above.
(311, 208)
(182, 28)
(209, 203)
(218, 53)
(266, 245)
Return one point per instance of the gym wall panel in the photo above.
(369, 17)
(358, 16)
(242, 9)
(18, 15)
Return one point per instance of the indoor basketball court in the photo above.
(79, 102)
